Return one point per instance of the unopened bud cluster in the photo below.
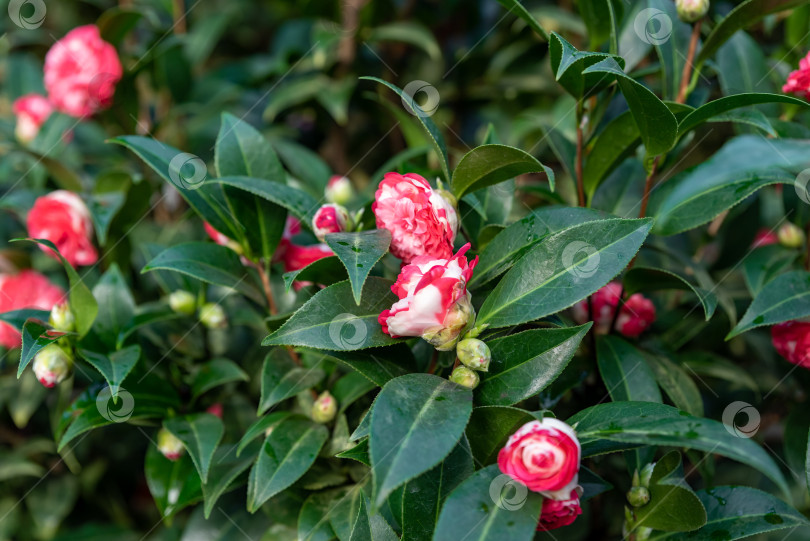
(638, 496)
(690, 11)
(473, 356)
(211, 314)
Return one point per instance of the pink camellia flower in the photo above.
(544, 456)
(636, 315)
(792, 341)
(81, 71)
(798, 82)
(32, 110)
(28, 289)
(433, 300)
(764, 237)
(329, 218)
(559, 513)
(420, 219)
(62, 218)
(339, 190)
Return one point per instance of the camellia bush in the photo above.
(405, 270)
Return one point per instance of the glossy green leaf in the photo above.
(569, 67)
(379, 366)
(514, 6)
(174, 484)
(313, 520)
(302, 205)
(641, 279)
(145, 315)
(359, 252)
(673, 506)
(242, 151)
(116, 307)
(214, 373)
(616, 142)
(359, 453)
(677, 384)
(563, 269)
(226, 467)
(784, 298)
(36, 335)
(489, 506)
(260, 428)
(524, 364)
(115, 23)
(490, 427)
(350, 388)
(115, 366)
(325, 271)
(282, 378)
(491, 164)
(332, 320)
(727, 103)
(370, 527)
(200, 434)
(416, 421)
(286, 455)
(765, 263)
(625, 371)
(103, 208)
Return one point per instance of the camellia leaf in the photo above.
(313, 520)
(302, 205)
(325, 271)
(569, 67)
(490, 427)
(416, 421)
(332, 320)
(524, 364)
(727, 103)
(490, 506)
(623, 425)
(673, 506)
(491, 164)
(282, 378)
(242, 151)
(359, 252)
(379, 366)
(785, 298)
(677, 384)
(625, 371)
(260, 427)
(226, 467)
(563, 269)
(214, 373)
(174, 484)
(640, 279)
(286, 455)
(514, 6)
(116, 307)
(103, 207)
(36, 335)
(200, 434)
(115, 367)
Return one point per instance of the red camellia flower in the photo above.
(433, 300)
(32, 110)
(297, 257)
(544, 456)
(28, 289)
(636, 315)
(329, 218)
(798, 82)
(559, 513)
(792, 341)
(420, 220)
(81, 71)
(62, 218)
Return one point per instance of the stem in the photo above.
(687, 67)
(648, 187)
(268, 291)
(179, 12)
(433, 361)
(578, 164)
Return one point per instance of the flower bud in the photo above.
(183, 302)
(52, 365)
(169, 445)
(473, 353)
(646, 474)
(330, 218)
(449, 197)
(213, 316)
(458, 320)
(215, 409)
(464, 377)
(638, 496)
(690, 11)
(62, 318)
(325, 408)
(790, 235)
(339, 190)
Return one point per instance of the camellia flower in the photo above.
(559, 513)
(215, 409)
(636, 314)
(420, 220)
(297, 257)
(433, 300)
(792, 341)
(81, 71)
(798, 82)
(330, 218)
(544, 456)
(52, 365)
(32, 110)
(28, 289)
(62, 218)
(339, 190)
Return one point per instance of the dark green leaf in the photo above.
(36, 335)
(282, 378)
(677, 384)
(200, 434)
(379, 367)
(359, 453)
(569, 67)
(115, 366)
(260, 427)
(215, 373)
(490, 427)
(784, 298)
(174, 484)
(226, 467)
(514, 6)
(625, 371)
(728, 103)
(242, 151)
(103, 207)
(639, 279)
(491, 164)
(673, 506)
(116, 307)
(325, 271)
(359, 252)
(763, 264)
(301, 204)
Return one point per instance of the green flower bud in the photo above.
(449, 197)
(690, 11)
(325, 408)
(464, 377)
(474, 353)
(183, 302)
(213, 316)
(646, 474)
(339, 190)
(790, 236)
(638, 496)
(52, 365)
(460, 317)
(169, 445)
(62, 318)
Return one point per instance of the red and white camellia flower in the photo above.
(420, 219)
(792, 341)
(329, 218)
(28, 289)
(544, 456)
(798, 82)
(31, 110)
(635, 316)
(81, 71)
(559, 513)
(62, 218)
(433, 300)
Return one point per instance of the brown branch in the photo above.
(648, 188)
(686, 75)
